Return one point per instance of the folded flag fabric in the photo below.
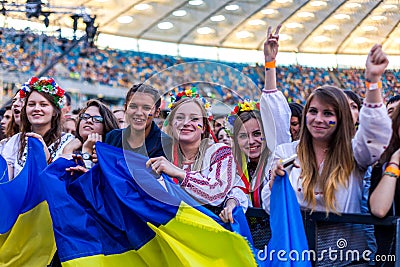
(26, 235)
(118, 214)
(3, 170)
(288, 245)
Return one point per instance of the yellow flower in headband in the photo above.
(188, 92)
(246, 106)
(207, 105)
(170, 105)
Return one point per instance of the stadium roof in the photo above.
(317, 26)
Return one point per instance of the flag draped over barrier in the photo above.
(26, 235)
(118, 214)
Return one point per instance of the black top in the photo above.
(385, 235)
(157, 143)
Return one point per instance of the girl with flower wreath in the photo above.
(205, 170)
(256, 129)
(40, 118)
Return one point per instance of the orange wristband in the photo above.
(373, 86)
(393, 170)
(270, 65)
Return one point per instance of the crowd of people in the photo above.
(229, 161)
(29, 52)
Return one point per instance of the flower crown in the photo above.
(46, 85)
(241, 107)
(188, 93)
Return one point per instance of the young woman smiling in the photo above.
(332, 159)
(40, 118)
(142, 135)
(94, 122)
(205, 170)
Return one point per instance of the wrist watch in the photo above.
(86, 156)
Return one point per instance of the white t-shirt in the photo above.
(11, 150)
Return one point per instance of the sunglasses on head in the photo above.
(96, 118)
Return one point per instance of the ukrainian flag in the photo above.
(288, 246)
(118, 214)
(26, 236)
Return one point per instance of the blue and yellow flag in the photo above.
(26, 235)
(288, 246)
(118, 214)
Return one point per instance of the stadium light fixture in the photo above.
(142, 7)
(321, 39)
(269, 11)
(285, 37)
(378, 18)
(318, 3)
(305, 15)
(179, 13)
(284, 1)
(294, 25)
(196, 2)
(361, 40)
(370, 28)
(342, 16)
(389, 7)
(205, 30)
(244, 34)
(352, 5)
(217, 18)
(256, 22)
(331, 27)
(232, 7)
(165, 25)
(125, 19)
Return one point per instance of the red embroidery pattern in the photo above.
(220, 155)
(373, 105)
(190, 183)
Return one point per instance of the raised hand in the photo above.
(271, 44)
(376, 64)
(88, 145)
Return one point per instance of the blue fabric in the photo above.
(24, 191)
(106, 210)
(286, 227)
(3, 170)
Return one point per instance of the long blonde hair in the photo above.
(339, 161)
(177, 156)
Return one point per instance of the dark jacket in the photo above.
(157, 143)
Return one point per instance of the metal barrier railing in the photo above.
(328, 228)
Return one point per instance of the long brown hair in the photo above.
(110, 121)
(339, 161)
(52, 135)
(12, 128)
(394, 143)
(238, 154)
(205, 141)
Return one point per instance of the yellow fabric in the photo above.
(30, 242)
(189, 239)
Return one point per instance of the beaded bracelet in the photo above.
(391, 174)
(393, 170)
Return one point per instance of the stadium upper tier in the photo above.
(24, 52)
